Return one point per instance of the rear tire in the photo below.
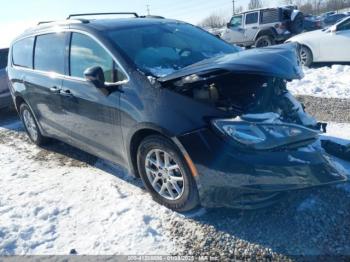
(305, 56)
(264, 41)
(166, 175)
(31, 125)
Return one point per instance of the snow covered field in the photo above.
(57, 199)
(50, 206)
(328, 82)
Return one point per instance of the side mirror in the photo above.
(96, 76)
(228, 25)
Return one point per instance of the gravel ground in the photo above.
(327, 109)
(305, 225)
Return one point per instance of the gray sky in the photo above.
(16, 15)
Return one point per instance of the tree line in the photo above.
(317, 7)
(314, 7)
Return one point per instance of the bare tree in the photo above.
(239, 9)
(215, 20)
(317, 7)
(254, 4)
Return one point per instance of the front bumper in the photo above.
(234, 178)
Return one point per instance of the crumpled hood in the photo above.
(277, 61)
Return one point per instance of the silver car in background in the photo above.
(5, 96)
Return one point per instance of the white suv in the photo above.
(264, 27)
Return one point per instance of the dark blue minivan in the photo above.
(199, 120)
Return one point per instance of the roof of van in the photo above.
(98, 24)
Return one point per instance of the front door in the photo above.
(334, 47)
(92, 116)
(235, 32)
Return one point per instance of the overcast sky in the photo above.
(16, 15)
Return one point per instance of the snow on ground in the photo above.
(47, 207)
(331, 82)
(339, 132)
(51, 204)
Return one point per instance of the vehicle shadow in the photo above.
(306, 222)
(9, 119)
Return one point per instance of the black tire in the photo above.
(297, 25)
(264, 41)
(39, 139)
(189, 198)
(305, 56)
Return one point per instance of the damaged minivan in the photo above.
(202, 122)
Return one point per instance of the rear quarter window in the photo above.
(50, 52)
(270, 16)
(22, 52)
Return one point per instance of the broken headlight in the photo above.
(264, 135)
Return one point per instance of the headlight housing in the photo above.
(263, 136)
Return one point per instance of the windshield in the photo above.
(161, 49)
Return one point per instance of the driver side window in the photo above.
(85, 53)
(236, 21)
(344, 26)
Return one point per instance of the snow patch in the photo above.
(331, 82)
(50, 209)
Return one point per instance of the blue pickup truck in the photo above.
(5, 96)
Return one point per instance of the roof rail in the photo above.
(45, 22)
(93, 14)
(81, 20)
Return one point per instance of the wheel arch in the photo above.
(18, 101)
(146, 130)
(266, 31)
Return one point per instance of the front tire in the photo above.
(166, 175)
(305, 56)
(31, 125)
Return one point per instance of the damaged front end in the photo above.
(263, 144)
(246, 84)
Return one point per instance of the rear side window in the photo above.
(86, 52)
(22, 52)
(49, 53)
(3, 58)
(251, 18)
(270, 16)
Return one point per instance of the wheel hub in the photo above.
(164, 174)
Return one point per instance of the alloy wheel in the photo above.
(164, 174)
(29, 122)
(263, 42)
(304, 56)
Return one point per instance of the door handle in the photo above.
(254, 27)
(55, 90)
(66, 92)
